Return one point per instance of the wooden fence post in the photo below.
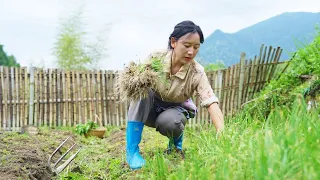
(219, 86)
(31, 92)
(2, 101)
(241, 80)
(13, 115)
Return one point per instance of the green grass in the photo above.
(285, 146)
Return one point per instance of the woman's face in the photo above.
(186, 48)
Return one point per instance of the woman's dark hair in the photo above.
(184, 28)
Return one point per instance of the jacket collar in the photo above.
(167, 66)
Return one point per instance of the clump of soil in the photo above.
(116, 136)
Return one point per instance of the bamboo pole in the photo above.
(107, 97)
(46, 96)
(50, 95)
(89, 95)
(81, 104)
(231, 100)
(76, 97)
(59, 99)
(65, 98)
(247, 92)
(69, 98)
(276, 60)
(31, 95)
(74, 100)
(16, 99)
(7, 107)
(263, 66)
(85, 96)
(99, 108)
(2, 101)
(114, 117)
(227, 90)
(36, 99)
(241, 82)
(104, 98)
(41, 98)
(20, 96)
(54, 97)
(26, 95)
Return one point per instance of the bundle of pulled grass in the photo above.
(137, 79)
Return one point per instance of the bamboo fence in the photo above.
(55, 97)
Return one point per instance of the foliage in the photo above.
(156, 64)
(6, 60)
(72, 50)
(84, 128)
(214, 66)
(284, 90)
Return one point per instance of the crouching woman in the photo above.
(168, 107)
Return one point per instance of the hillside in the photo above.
(282, 30)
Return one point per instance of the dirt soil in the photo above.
(25, 156)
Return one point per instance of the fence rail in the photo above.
(54, 97)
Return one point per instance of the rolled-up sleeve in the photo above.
(205, 92)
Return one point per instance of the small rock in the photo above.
(29, 129)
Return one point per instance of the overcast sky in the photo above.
(28, 28)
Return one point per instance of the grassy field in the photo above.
(285, 146)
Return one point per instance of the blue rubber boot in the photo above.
(177, 142)
(133, 138)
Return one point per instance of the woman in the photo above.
(168, 108)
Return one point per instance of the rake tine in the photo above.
(55, 151)
(65, 164)
(55, 164)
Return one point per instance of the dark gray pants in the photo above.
(168, 118)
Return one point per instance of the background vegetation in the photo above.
(72, 49)
(7, 60)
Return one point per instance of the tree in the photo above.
(209, 66)
(214, 66)
(6, 60)
(71, 49)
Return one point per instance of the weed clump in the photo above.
(137, 79)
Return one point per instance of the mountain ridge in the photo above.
(285, 30)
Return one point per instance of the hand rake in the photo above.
(60, 168)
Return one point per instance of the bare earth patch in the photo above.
(26, 156)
